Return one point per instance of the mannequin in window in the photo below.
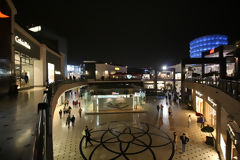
(26, 78)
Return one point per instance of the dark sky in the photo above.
(134, 33)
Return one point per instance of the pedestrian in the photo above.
(60, 114)
(189, 120)
(64, 110)
(87, 136)
(184, 140)
(79, 103)
(175, 140)
(69, 109)
(73, 120)
(161, 107)
(68, 121)
(169, 96)
(203, 121)
(80, 112)
(169, 110)
(158, 108)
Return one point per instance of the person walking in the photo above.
(158, 108)
(60, 114)
(169, 110)
(79, 103)
(87, 136)
(161, 107)
(175, 140)
(203, 121)
(184, 140)
(189, 120)
(80, 112)
(68, 121)
(73, 120)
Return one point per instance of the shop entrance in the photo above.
(24, 70)
(199, 105)
(210, 115)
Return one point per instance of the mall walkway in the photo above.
(66, 141)
(18, 116)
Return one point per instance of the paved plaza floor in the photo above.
(18, 116)
(131, 135)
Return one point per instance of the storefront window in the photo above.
(210, 115)
(24, 70)
(234, 152)
(199, 104)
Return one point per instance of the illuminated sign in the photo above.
(211, 101)
(115, 93)
(3, 15)
(57, 72)
(117, 69)
(50, 73)
(22, 42)
(212, 51)
(198, 93)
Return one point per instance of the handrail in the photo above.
(39, 149)
(230, 87)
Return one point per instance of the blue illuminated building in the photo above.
(205, 43)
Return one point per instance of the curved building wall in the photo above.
(205, 43)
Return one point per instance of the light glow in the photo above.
(164, 67)
(3, 15)
(35, 29)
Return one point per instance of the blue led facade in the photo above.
(205, 43)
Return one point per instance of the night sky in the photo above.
(133, 32)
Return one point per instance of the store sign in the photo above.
(212, 102)
(198, 93)
(3, 15)
(117, 68)
(22, 42)
(212, 51)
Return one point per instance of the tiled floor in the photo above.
(66, 141)
(18, 116)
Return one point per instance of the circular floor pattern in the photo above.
(126, 140)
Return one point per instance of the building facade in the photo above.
(25, 61)
(205, 43)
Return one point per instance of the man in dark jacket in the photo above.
(184, 140)
(87, 136)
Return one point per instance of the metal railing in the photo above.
(39, 147)
(230, 87)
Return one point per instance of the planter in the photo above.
(209, 140)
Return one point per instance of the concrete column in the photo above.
(63, 65)
(43, 55)
(218, 126)
(182, 81)
(155, 80)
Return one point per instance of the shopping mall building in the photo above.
(210, 83)
(25, 61)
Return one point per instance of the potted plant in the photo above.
(209, 139)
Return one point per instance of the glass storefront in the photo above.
(210, 115)
(24, 70)
(199, 105)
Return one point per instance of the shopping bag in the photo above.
(83, 133)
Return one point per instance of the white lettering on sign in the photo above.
(22, 42)
(198, 93)
(211, 101)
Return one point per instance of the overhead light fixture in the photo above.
(35, 29)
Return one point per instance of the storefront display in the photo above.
(24, 70)
(210, 115)
(199, 105)
(50, 73)
(233, 138)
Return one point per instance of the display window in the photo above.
(234, 152)
(24, 70)
(199, 105)
(210, 115)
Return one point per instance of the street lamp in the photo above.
(164, 67)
